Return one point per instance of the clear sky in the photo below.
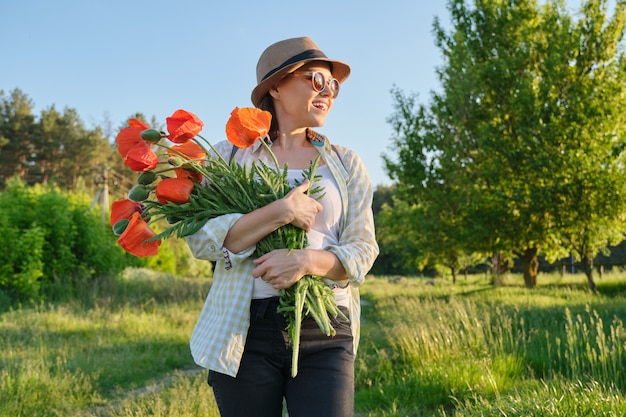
(108, 59)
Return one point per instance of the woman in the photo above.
(239, 335)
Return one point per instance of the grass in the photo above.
(428, 348)
(65, 359)
(476, 350)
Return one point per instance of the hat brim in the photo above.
(340, 71)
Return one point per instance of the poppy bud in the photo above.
(138, 193)
(146, 178)
(176, 161)
(120, 226)
(151, 135)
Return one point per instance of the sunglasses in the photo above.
(319, 82)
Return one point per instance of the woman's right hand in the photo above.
(301, 207)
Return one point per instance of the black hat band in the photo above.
(303, 56)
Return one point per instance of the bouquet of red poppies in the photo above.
(195, 184)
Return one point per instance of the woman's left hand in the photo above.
(280, 268)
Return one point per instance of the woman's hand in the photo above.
(301, 207)
(295, 208)
(281, 268)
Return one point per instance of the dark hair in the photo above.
(267, 104)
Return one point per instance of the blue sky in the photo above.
(111, 58)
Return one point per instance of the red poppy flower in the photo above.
(129, 137)
(133, 240)
(138, 123)
(183, 126)
(190, 149)
(246, 125)
(141, 158)
(175, 190)
(191, 174)
(123, 209)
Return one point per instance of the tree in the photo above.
(382, 195)
(596, 129)
(17, 134)
(527, 129)
(398, 240)
(55, 148)
(67, 150)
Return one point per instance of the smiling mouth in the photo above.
(320, 105)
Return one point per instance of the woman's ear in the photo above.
(274, 92)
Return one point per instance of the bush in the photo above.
(22, 256)
(52, 239)
(176, 258)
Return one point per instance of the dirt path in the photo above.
(150, 388)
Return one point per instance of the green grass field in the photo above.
(428, 348)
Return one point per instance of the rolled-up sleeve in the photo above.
(357, 249)
(208, 242)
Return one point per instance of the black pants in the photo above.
(324, 385)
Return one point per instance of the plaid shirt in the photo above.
(219, 336)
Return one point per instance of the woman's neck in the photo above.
(294, 149)
(291, 140)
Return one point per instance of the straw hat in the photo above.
(286, 56)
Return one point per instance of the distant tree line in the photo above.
(55, 147)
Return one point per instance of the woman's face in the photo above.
(298, 104)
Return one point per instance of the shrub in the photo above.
(22, 256)
(52, 239)
(176, 258)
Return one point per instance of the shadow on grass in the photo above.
(611, 288)
(112, 359)
(120, 335)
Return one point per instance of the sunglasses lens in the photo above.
(334, 87)
(318, 81)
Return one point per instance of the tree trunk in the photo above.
(499, 266)
(588, 266)
(530, 266)
(453, 272)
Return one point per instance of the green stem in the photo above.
(300, 297)
(212, 148)
(267, 147)
(225, 165)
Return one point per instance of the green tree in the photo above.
(399, 253)
(524, 141)
(593, 192)
(67, 150)
(17, 134)
(383, 194)
(55, 148)
(398, 240)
